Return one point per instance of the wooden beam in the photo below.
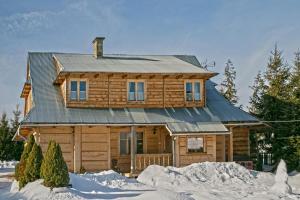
(81, 75)
(138, 76)
(192, 76)
(231, 145)
(96, 75)
(108, 151)
(152, 76)
(179, 76)
(132, 150)
(124, 76)
(77, 149)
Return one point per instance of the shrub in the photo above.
(20, 168)
(54, 169)
(33, 165)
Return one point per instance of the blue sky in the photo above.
(244, 31)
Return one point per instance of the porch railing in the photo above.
(142, 161)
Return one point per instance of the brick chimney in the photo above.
(98, 47)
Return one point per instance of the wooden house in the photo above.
(126, 112)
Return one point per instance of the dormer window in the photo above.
(78, 90)
(193, 90)
(136, 91)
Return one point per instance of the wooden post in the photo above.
(231, 145)
(77, 149)
(108, 151)
(132, 150)
(173, 151)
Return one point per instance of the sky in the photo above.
(244, 31)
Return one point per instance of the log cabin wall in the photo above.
(63, 136)
(185, 158)
(241, 148)
(93, 147)
(110, 90)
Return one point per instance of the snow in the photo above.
(207, 180)
(281, 185)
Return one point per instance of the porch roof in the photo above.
(49, 108)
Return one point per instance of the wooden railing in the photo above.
(144, 160)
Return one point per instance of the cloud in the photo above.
(37, 21)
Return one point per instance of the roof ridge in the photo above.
(115, 54)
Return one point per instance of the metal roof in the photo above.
(49, 108)
(129, 63)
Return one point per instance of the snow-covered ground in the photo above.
(206, 180)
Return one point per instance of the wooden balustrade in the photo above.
(144, 160)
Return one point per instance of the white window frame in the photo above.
(193, 90)
(136, 90)
(128, 142)
(78, 89)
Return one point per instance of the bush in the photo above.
(54, 169)
(20, 168)
(33, 165)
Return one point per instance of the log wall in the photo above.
(185, 158)
(106, 90)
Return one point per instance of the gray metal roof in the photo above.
(129, 63)
(49, 107)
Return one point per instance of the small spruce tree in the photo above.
(20, 168)
(33, 165)
(228, 88)
(54, 169)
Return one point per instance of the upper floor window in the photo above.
(193, 91)
(136, 91)
(78, 90)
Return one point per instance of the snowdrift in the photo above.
(197, 173)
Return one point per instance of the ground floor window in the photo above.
(195, 144)
(125, 143)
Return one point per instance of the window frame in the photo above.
(195, 152)
(78, 80)
(136, 81)
(193, 81)
(128, 142)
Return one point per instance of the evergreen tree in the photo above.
(228, 85)
(18, 145)
(54, 169)
(6, 143)
(271, 101)
(258, 89)
(20, 168)
(33, 164)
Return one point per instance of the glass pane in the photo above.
(188, 91)
(73, 93)
(123, 147)
(131, 92)
(82, 86)
(82, 95)
(140, 91)
(131, 86)
(73, 85)
(197, 96)
(195, 144)
(139, 143)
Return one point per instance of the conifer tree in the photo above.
(6, 144)
(20, 168)
(33, 164)
(228, 88)
(258, 90)
(54, 169)
(17, 145)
